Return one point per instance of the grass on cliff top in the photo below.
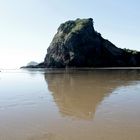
(74, 26)
(79, 24)
(133, 52)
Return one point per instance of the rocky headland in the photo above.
(78, 44)
(34, 64)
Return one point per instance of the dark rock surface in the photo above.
(77, 44)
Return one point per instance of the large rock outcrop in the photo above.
(77, 44)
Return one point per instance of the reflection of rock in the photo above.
(78, 94)
(47, 136)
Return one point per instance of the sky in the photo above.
(28, 26)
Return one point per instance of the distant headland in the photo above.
(78, 44)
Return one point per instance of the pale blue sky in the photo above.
(28, 26)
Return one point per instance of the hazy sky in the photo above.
(28, 26)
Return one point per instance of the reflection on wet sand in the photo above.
(78, 93)
(70, 105)
(47, 136)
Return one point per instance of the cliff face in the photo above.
(77, 44)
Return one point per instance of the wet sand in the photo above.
(70, 104)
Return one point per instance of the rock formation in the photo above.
(33, 64)
(77, 44)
